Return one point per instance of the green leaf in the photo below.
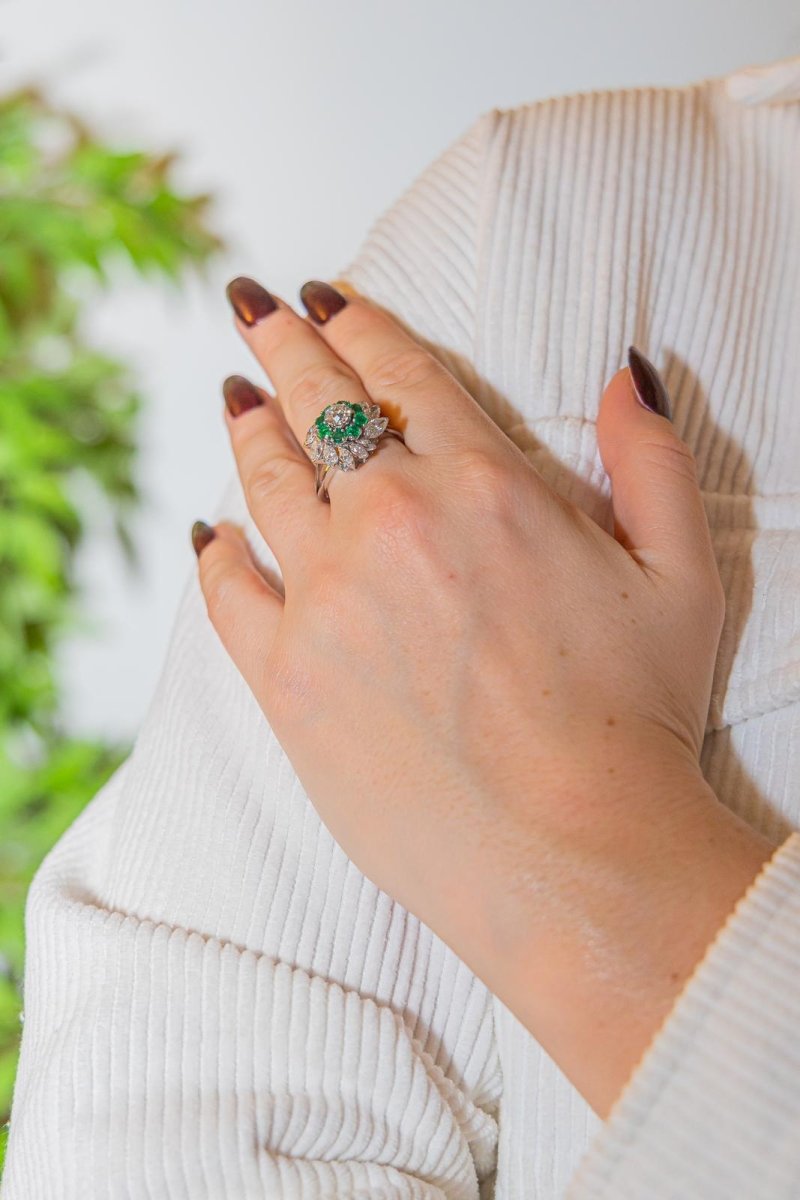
(72, 208)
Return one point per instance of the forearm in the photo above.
(591, 948)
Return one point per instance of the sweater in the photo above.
(217, 1002)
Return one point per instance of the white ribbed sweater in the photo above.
(218, 1004)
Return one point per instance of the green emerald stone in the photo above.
(353, 430)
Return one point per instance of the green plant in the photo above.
(70, 209)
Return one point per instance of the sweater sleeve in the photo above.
(217, 1002)
(712, 1112)
(162, 1062)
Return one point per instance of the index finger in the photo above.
(424, 399)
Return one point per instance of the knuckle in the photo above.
(319, 385)
(674, 454)
(402, 367)
(394, 501)
(395, 514)
(487, 479)
(265, 480)
(218, 589)
(484, 467)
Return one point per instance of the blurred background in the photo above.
(148, 153)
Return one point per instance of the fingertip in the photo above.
(202, 534)
(617, 405)
(240, 395)
(648, 386)
(321, 300)
(620, 383)
(250, 300)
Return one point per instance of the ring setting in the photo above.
(342, 437)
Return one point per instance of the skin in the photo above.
(496, 706)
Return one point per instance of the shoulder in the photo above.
(546, 123)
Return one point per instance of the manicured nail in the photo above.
(321, 300)
(240, 395)
(202, 534)
(648, 384)
(251, 302)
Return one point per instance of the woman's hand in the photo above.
(496, 707)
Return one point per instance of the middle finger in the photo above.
(306, 373)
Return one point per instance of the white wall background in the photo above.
(305, 120)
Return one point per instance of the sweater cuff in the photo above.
(713, 1108)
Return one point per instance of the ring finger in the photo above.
(306, 373)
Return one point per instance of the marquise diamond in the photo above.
(375, 427)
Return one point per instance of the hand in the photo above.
(496, 707)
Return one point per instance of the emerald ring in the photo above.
(343, 437)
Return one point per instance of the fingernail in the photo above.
(250, 301)
(321, 300)
(202, 534)
(648, 384)
(240, 395)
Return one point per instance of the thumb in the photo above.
(658, 508)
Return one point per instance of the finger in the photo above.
(277, 476)
(305, 372)
(658, 506)
(419, 395)
(243, 608)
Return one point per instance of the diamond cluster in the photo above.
(344, 435)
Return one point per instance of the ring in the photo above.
(343, 437)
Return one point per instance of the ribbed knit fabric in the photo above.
(217, 1002)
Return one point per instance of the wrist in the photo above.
(590, 945)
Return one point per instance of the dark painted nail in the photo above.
(648, 384)
(202, 534)
(321, 300)
(251, 302)
(240, 395)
